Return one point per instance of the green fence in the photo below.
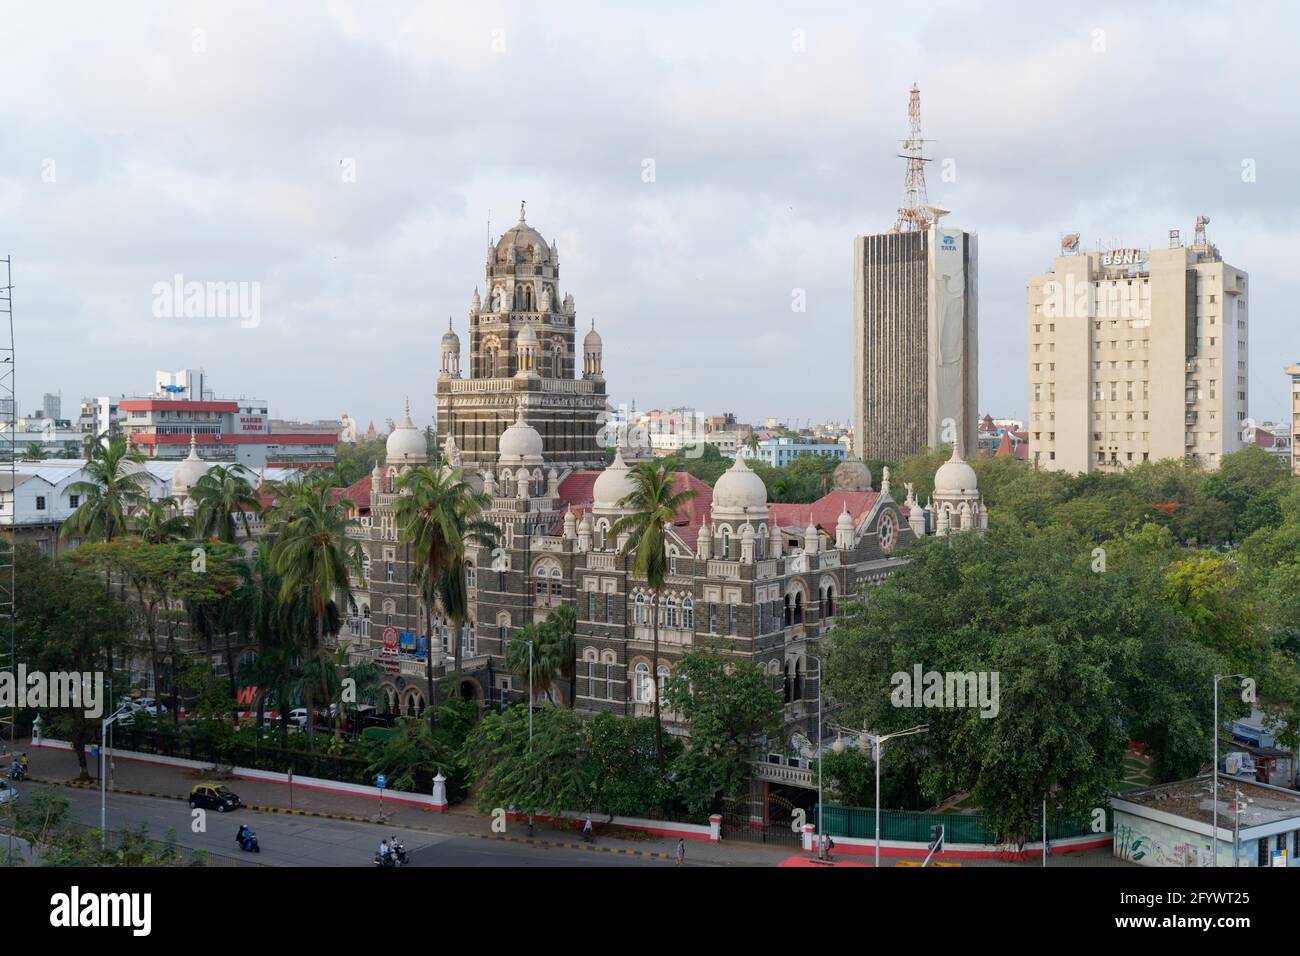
(914, 827)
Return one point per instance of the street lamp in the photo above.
(103, 795)
(838, 743)
(877, 742)
(1215, 765)
(530, 721)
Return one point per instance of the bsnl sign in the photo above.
(1124, 257)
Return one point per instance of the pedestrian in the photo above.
(586, 829)
(681, 850)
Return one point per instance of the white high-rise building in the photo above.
(1137, 355)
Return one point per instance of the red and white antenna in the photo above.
(915, 214)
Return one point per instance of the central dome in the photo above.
(851, 475)
(739, 487)
(524, 238)
(189, 471)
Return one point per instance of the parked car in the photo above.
(298, 716)
(214, 796)
(8, 792)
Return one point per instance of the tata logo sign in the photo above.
(1124, 257)
(948, 243)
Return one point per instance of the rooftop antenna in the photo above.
(1201, 223)
(913, 215)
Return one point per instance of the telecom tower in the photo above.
(915, 213)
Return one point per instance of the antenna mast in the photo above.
(8, 468)
(914, 215)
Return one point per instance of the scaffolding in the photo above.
(8, 455)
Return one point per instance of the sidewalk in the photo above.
(156, 780)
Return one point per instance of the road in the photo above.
(309, 841)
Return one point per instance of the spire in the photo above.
(521, 210)
(406, 422)
(449, 328)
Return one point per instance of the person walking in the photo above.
(681, 851)
(586, 829)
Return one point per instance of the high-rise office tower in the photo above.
(915, 324)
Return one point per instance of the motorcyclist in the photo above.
(383, 851)
(243, 834)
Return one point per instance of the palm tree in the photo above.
(752, 443)
(652, 506)
(436, 513)
(159, 523)
(34, 451)
(552, 652)
(218, 496)
(314, 557)
(111, 491)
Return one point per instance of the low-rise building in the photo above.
(779, 452)
(1172, 824)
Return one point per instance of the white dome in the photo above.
(614, 484)
(406, 442)
(955, 477)
(592, 339)
(520, 440)
(739, 487)
(189, 471)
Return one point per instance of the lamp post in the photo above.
(838, 743)
(530, 722)
(103, 794)
(878, 742)
(1214, 767)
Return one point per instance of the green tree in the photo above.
(436, 514)
(158, 522)
(651, 507)
(547, 777)
(314, 557)
(730, 707)
(220, 495)
(621, 766)
(114, 486)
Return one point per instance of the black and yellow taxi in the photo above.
(214, 796)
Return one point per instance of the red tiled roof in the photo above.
(575, 489)
(357, 493)
(696, 511)
(825, 511)
(1005, 449)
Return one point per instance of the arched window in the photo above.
(365, 620)
(786, 618)
(830, 600)
(670, 613)
(389, 608)
(640, 608)
(726, 543)
(641, 685)
(688, 614)
(601, 527)
(661, 685)
(471, 581)
(798, 607)
(365, 567)
(555, 584)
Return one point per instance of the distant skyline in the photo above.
(345, 158)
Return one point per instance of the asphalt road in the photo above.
(309, 841)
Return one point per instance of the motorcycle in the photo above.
(247, 841)
(398, 852)
(391, 860)
(17, 772)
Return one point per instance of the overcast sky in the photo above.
(345, 157)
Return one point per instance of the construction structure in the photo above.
(8, 449)
(915, 325)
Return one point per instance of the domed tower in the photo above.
(451, 351)
(186, 475)
(406, 445)
(591, 349)
(851, 475)
(956, 501)
(522, 340)
(739, 502)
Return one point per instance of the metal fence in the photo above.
(914, 827)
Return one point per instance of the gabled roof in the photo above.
(695, 512)
(358, 493)
(825, 511)
(576, 487)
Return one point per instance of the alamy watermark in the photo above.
(179, 299)
(59, 690)
(954, 689)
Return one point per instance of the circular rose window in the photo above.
(886, 529)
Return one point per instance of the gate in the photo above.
(744, 820)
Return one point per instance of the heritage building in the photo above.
(523, 354)
(758, 580)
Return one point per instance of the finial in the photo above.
(408, 421)
(449, 318)
(521, 210)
